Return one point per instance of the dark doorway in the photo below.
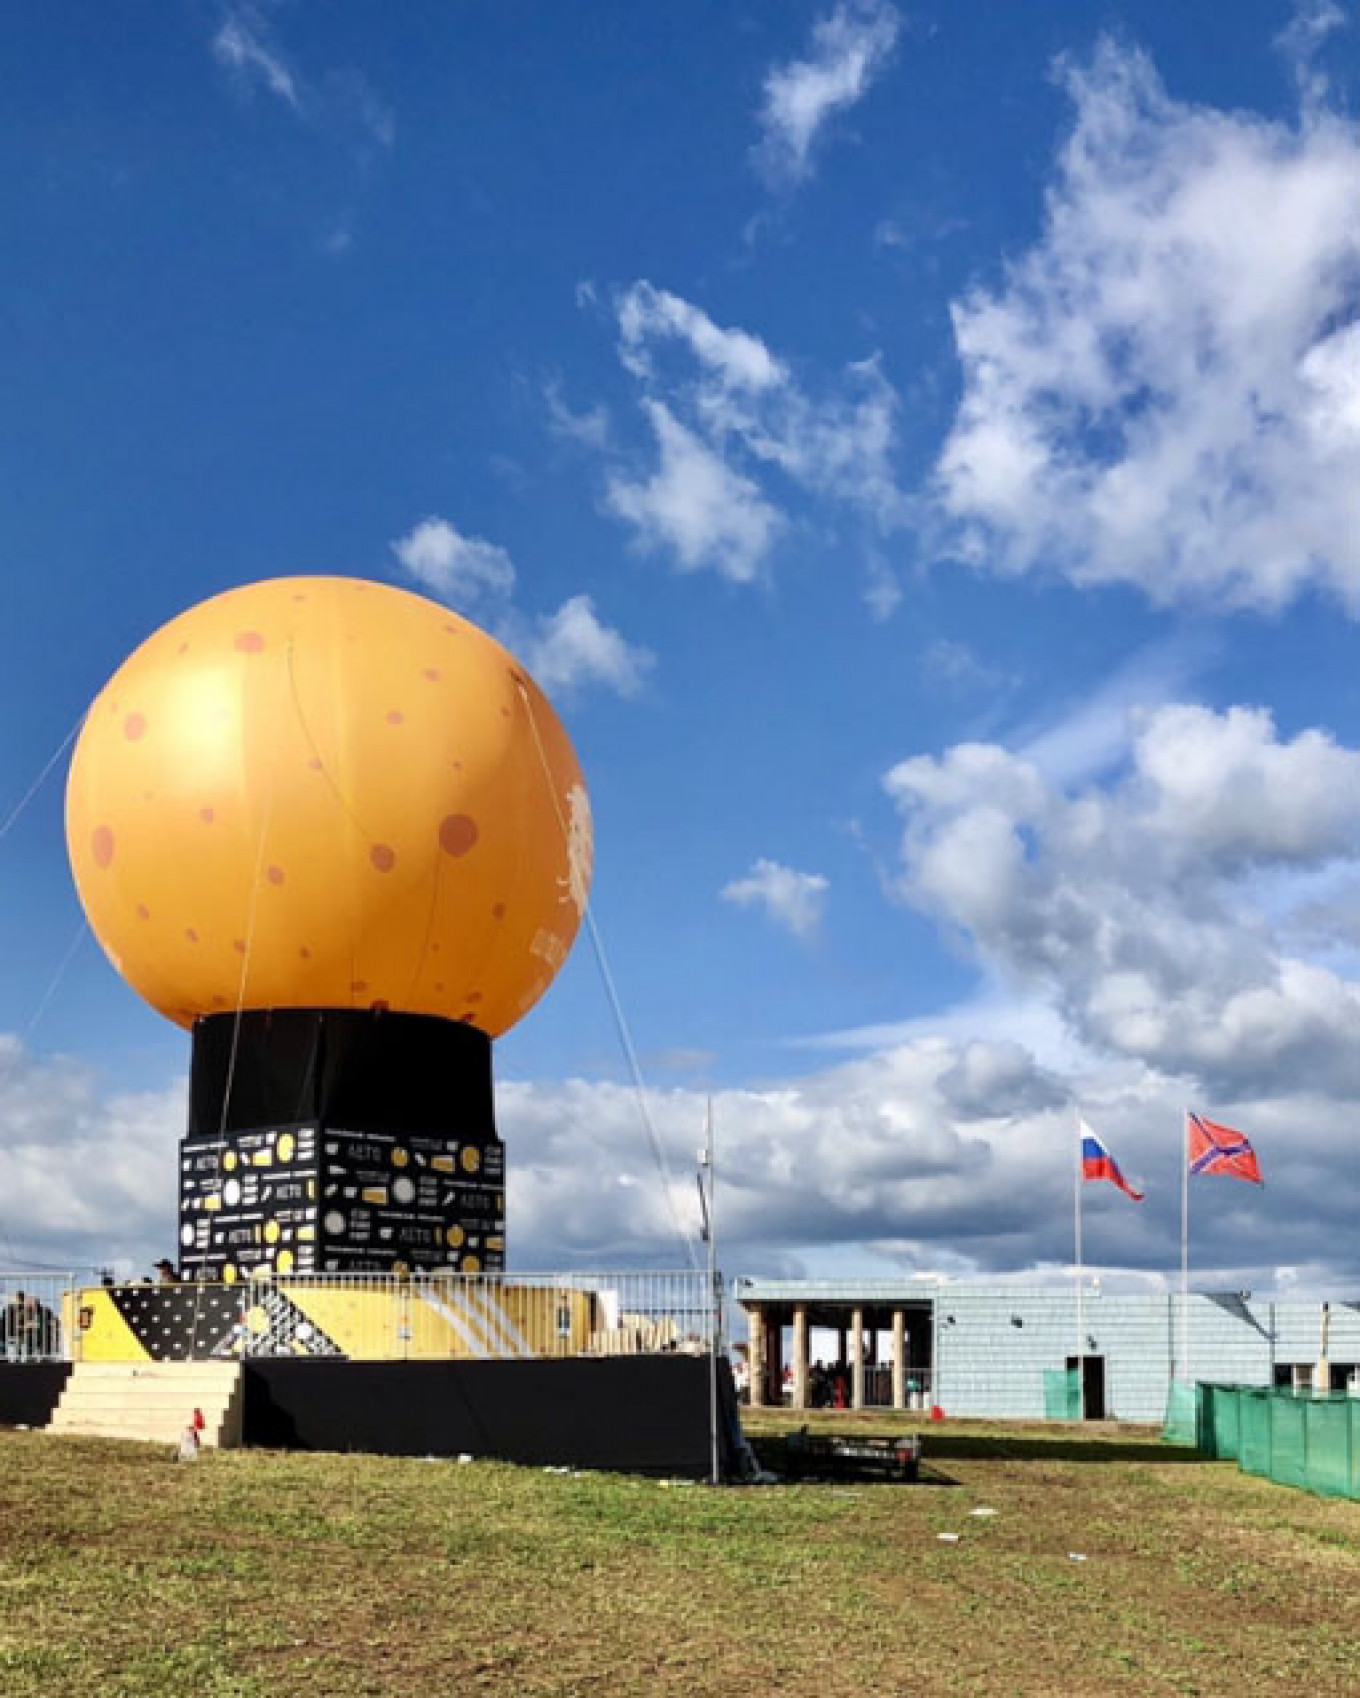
(1092, 1385)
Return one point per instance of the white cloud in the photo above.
(462, 570)
(1157, 912)
(243, 45)
(564, 651)
(729, 417)
(1301, 42)
(695, 504)
(850, 46)
(1164, 390)
(936, 1151)
(1096, 733)
(737, 360)
(571, 648)
(341, 102)
(791, 899)
(84, 1180)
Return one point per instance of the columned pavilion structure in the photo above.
(882, 1340)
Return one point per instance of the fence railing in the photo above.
(386, 1317)
(33, 1307)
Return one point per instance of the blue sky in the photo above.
(915, 446)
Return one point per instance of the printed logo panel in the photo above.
(306, 1199)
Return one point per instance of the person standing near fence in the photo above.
(12, 1324)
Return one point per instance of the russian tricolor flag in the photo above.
(1098, 1163)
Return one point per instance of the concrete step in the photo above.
(153, 1401)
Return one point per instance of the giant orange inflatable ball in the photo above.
(322, 792)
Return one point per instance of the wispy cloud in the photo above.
(849, 47)
(244, 44)
(565, 651)
(337, 100)
(730, 422)
(793, 900)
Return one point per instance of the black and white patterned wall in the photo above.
(305, 1199)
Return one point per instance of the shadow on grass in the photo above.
(944, 1446)
(987, 1448)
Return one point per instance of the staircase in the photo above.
(152, 1401)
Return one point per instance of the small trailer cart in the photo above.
(855, 1456)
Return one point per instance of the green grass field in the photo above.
(127, 1575)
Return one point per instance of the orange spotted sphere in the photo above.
(322, 792)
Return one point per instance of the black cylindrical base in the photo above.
(335, 1140)
(369, 1070)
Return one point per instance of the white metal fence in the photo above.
(361, 1316)
(32, 1311)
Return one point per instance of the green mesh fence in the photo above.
(1182, 1408)
(1062, 1394)
(1224, 1423)
(1303, 1439)
(1254, 1419)
(1289, 1441)
(1329, 1430)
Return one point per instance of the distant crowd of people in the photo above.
(29, 1331)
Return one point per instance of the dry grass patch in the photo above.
(126, 1575)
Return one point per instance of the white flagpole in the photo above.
(1185, 1253)
(1081, 1319)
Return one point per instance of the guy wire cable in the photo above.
(10, 820)
(27, 1032)
(41, 779)
(266, 821)
(625, 1036)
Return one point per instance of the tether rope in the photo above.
(616, 1006)
(41, 779)
(27, 1032)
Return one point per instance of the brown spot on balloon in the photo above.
(457, 833)
(498, 912)
(275, 875)
(439, 984)
(380, 1005)
(359, 986)
(239, 945)
(182, 649)
(101, 845)
(474, 996)
(143, 912)
(134, 727)
(505, 713)
(314, 764)
(298, 596)
(469, 1017)
(219, 1002)
(249, 642)
(383, 857)
(191, 934)
(432, 673)
(395, 716)
(206, 815)
(305, 953)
